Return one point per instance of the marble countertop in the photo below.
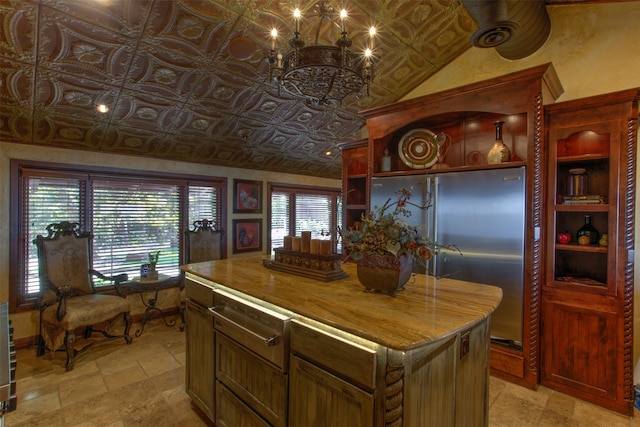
(427, 310)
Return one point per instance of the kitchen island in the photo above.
(293, 351)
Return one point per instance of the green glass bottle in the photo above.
(588, 230)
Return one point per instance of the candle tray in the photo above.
(314, 266)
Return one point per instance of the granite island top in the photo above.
(427, 310)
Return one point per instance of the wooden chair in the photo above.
(202, 243)
(68, 301)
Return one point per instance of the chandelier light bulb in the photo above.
(343, 20)
(372, 33)
(274, 36)
(296, 16)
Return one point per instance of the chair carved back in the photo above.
(65, 258)
(204, 241)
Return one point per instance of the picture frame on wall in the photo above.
(247, 196)
(247, 235)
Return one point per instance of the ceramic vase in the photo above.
(499, 152)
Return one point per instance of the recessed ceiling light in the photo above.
(102, 108)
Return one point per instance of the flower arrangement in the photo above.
(384, 231)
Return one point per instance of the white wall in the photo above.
(25, 324)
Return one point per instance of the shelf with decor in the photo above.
(587, 308)
(438, 143)
(354, 180)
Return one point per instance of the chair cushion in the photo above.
(87, 310)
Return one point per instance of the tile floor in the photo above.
(143, 385)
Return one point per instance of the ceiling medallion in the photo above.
(322, 73)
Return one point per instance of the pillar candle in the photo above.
(305, 244)
(325, 247)
(287, 242)
(314, 248)
(295, 243)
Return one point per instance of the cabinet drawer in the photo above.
(350, 360)
(232, 412)
(199, 293)
(257, 383)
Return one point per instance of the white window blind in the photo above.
(205, 203)
(279, 218)
(131, 219)
(313, 213)
(49, 199)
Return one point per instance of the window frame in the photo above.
(20, 301)
(335, 219)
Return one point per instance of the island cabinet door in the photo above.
(318, 398)
(200, 358)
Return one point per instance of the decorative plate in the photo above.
(418, 148)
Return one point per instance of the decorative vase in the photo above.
(499, 153)
(589, 231)
(385, 164)
(385, 274)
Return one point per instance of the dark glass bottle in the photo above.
(588, 230)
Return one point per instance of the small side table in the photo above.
(141, 285)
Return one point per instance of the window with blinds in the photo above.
(131, 219)
(129, 214)
(295, 209)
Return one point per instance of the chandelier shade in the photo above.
(322, 73)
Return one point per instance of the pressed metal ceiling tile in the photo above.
(187, 80)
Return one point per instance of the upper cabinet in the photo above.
(587, 298)
(456, 129)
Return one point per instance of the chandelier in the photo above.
(322, 73)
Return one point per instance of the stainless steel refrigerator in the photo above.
(482, 213)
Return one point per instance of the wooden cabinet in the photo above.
(354, 181)
(336, 381)
(334, 385)
(321, 399)
(587, 316)
(199, 381)
(461, 124)
(259, 385)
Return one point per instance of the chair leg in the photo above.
(70, 340)
(183, 309)
(88, 331)
(40, 348)
(127, 325)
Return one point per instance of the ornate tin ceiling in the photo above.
(186, 79)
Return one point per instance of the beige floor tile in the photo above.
(81, 388)
(122, 378)
(142, 384)
(99, 411)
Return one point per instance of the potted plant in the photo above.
(384, 245)
(153, 261)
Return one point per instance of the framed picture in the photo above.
(247, 196)
(247, 235)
